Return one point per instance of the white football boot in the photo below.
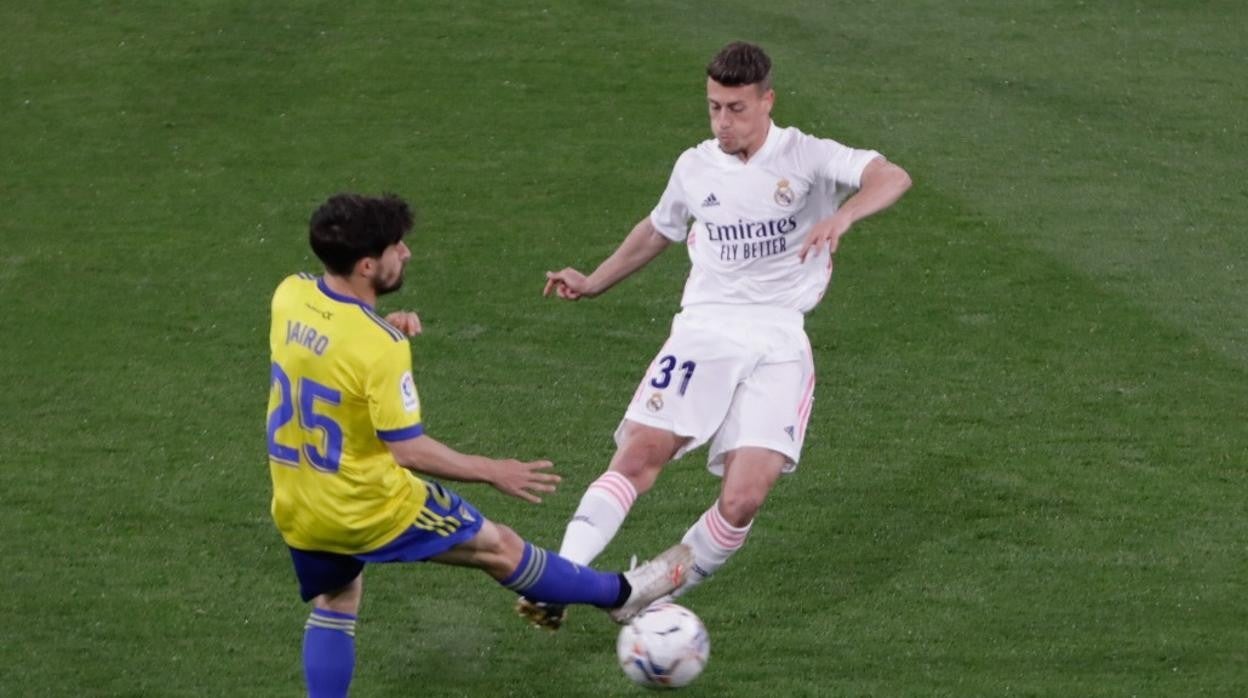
(653, 580)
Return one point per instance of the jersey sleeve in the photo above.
(671, 216)
(393, 402)
(838, 163)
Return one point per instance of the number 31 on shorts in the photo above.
(666, 365)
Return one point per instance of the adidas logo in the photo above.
(789, 431)
(710, 201)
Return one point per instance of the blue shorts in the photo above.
(446, 520)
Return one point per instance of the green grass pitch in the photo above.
(1025, 473)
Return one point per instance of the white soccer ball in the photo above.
(665, 646)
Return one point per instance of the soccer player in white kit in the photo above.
(760, 209)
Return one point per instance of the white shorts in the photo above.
(732, 375)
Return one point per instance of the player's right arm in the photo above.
(667, 223)
(429, 456)
(642, 244)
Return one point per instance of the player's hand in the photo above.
(826, 232)
(569, 284)
(405, 321)
(524, 480)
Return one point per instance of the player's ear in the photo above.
(366, 267)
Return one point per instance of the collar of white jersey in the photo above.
(773, 135)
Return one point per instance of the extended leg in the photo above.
(544, 576)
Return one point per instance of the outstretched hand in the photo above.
(524, 480)
(568, 283)
(405, 321)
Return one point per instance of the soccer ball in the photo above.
(665, 646)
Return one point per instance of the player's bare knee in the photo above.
(640, 471)
(641, 458)
(637, 459)
(344, 600)
(508, 540)
(740, 508)
(506, 552)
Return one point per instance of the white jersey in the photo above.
(744, 222)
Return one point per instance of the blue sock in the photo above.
(328, 653)
(544, 576)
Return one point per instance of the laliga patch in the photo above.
(407, 390)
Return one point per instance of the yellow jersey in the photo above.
(340, 386)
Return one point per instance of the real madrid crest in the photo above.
(655, 403)
(784, 193)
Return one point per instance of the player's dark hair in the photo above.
(741, 63)
(349, 227)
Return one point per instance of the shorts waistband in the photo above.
(770, 314)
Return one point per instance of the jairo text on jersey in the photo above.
(306, 336)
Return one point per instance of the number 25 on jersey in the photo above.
(321, 444)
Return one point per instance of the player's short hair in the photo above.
(741, 63)
(349, 227)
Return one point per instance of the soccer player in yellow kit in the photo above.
(345, 435)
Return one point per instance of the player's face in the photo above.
(739, 116)
(388, 276)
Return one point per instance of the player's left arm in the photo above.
(882, 184)
(394, 408)
(521, 479)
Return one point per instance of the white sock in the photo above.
(713, 541)
(603, 508)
